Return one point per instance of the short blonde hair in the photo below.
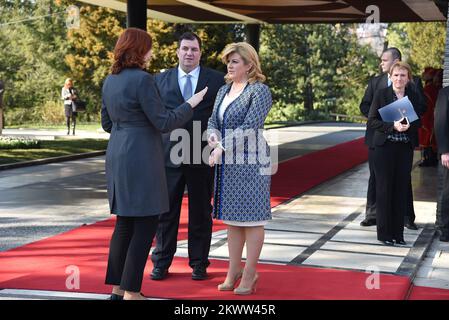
(249, 56)
(402, 65)
(67, 81)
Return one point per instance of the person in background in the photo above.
(69, 94)
(442, 137)
(426, 133)
(388, 58)
(393, 143)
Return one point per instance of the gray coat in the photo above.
(242, 193)
(133, 113)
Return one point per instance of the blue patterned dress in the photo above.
(242, 181)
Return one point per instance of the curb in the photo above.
(51, 160)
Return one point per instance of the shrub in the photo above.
(51, 112)
(19, 143)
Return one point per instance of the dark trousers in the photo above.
(370, 213)
(442, 218)
(392, 166)
(129, 249)
(199, 181)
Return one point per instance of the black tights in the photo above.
(68, 123)
(129, 249)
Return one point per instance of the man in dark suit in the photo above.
(442, 136)
(176, 85)
(388, 58)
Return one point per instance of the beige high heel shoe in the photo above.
(246, 291)
(229, 287)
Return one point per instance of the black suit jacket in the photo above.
(442, 121)
(167, 83)
(381, 82)
(380, 128)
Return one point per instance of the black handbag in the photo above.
(78, 105)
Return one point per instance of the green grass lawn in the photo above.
(54, 148)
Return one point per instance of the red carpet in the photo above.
(427, 293)
(298, 175)
(42, 265)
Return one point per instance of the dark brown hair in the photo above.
(189, 36)
(130, 50)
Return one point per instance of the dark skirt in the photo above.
(68, 111)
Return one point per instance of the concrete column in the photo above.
(253, 35)
(136, 14)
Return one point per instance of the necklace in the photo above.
(236, 91)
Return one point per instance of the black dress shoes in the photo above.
(411, 226)
(199, 273)
(388, 242)
(444, 237)
(401, 242)
(159, 274)
(115, 297)
(368, 222)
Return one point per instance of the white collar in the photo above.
(195, 73)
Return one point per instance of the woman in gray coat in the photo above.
(133, 113)
(242, 172)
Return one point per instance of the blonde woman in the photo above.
(69, 94)
(242, 189)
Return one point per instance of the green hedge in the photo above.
(19, 143)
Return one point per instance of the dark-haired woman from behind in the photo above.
(133, 113)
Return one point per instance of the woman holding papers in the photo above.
(393, 143)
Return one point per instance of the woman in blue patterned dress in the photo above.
(242, 162)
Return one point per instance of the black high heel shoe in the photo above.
(115, 297)
(388, 242)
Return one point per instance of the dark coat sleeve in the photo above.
(367, 99)
(163, 119)
(441, 124)
(374, 120)
(106, 122)
(421, 103)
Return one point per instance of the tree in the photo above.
(421, 44)
(314, 69)
(90, 52)
(427, 44)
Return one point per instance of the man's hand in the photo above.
(445, 160)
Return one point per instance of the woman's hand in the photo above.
(215, 157)
(212, 140)
(398, 126)
(197, 98)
